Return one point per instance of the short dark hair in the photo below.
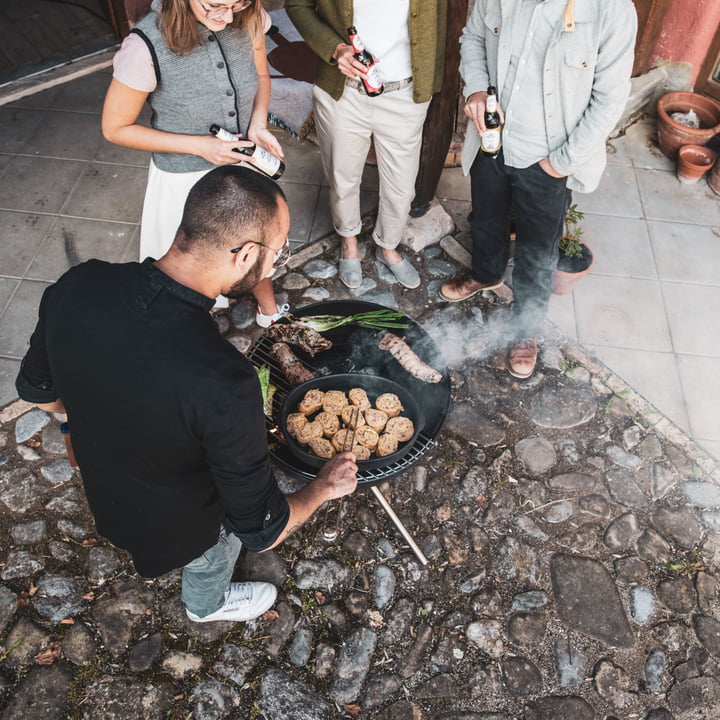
(228, 207)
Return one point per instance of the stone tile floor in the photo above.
(569, 480)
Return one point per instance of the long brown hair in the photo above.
(179, 25)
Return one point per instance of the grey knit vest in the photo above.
(213, 84)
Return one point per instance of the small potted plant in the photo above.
(575, 258)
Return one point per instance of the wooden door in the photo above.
(651, 14)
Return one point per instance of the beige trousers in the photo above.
(344, 130)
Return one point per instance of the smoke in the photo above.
(473, 334)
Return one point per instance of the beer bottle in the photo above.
(371, 81)
(263, 160)
(491, 141)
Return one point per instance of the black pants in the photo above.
(540, 203)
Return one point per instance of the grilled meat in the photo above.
(305, 338)
(401, 351)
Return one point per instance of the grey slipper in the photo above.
(403, 271)
(350, 272)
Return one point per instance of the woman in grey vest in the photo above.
(198, 63)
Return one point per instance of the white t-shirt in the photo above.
(383, 28)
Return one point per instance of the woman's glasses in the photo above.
(215, 12)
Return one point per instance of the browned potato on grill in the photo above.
(347, 416)
(322, 448)
(361, 452)
(294, 422)
(389, 403)
(359, 397)
(367, 437)
(309, 431)
(401, 427)
(334, 401)
(376, 419)
(312, 402)
(329, 421)
(387, 445)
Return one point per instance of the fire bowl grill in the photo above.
(355, 350)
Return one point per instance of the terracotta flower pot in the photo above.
(693, 162)
(672, 135)
(570, 270)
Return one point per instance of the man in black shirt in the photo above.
(166, 416)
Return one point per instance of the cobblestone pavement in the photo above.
(573, 536)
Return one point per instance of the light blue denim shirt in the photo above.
(585, 78)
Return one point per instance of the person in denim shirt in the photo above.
(562, 72)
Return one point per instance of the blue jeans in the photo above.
(206, 578)
(540, 202)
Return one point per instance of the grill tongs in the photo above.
(331, 525)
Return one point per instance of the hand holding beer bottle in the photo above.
(354, 61)
(475, 108)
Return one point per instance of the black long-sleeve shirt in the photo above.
(166, 416)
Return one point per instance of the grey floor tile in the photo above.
(710, 446)
(132, 251)
(8, 372)
(643, 146)
(454, 185)
(561, 313)
(618, 152)
(21, 235)
(62, 134)
(693, 313)
(39, 184)
(617, 194)
(74, 240)
(686, 253)
(621, 246)
(302, 200)
(108, 152)
(653, 375)
(16, 126)
(621, 312)
(700, 378)
(108, 192)
(84, 94)
(38, 101)
(19, 319)
(664, 197)
(7, 288)
(302, 161)
(322, 220)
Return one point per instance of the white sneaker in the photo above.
(265, 321)
(243, 601)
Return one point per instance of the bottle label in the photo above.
(357, 45)
(491, 103)
(372, 79)
(490, 140)
(223, 134)
(266, 161)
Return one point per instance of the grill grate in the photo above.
(259, 355)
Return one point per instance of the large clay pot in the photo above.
(693, 162)
(672, 135)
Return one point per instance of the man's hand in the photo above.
(339, 475)
(346, 63)
(549, 169)
(475, 110)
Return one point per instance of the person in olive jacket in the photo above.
(407, 39)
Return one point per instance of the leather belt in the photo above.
(387, 87)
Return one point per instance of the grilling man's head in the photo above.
(234, 215)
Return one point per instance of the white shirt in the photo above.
(383, 28)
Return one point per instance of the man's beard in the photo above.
(245, 285)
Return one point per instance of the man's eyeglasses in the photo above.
(215, 12)
(281, 256)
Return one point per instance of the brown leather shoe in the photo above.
(522, 358)
(461, 287)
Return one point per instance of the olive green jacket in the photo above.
(324, 23)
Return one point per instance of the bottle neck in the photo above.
(491, 103)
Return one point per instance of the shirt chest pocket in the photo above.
(578, 60)
(492, 23)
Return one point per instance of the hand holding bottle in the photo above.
(344, 55)
(475, 110)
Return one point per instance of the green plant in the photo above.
(571, 242)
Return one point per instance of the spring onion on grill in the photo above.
(375, 320)
(267, 388)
